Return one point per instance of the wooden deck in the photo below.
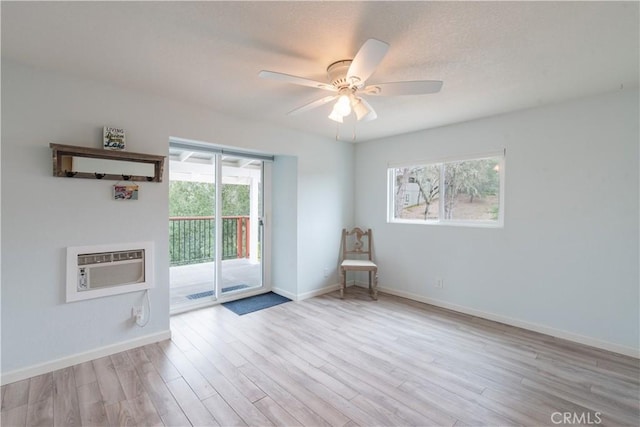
(331, 362)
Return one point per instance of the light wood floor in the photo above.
(332, 362)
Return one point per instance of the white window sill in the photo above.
(458, 223)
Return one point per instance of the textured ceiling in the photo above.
(493, 57)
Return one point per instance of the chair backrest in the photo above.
(357, 243)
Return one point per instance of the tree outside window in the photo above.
(454, 191)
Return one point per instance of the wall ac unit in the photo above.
(96, 271)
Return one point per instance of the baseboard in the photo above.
(314, 293)
(286, 294)
(65, 362)
(558, 333)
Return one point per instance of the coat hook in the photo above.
(70, 174)
(149, 178)
(99, 175)
(126, 177)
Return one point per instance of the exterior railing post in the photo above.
(246, 236)
(238, 237)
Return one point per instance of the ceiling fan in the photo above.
(347, 79)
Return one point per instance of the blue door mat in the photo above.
(210, 293)
(255, 303)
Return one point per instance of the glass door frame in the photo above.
(255, 227)
(263, 228)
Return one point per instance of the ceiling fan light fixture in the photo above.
(359, 108)
(335, 116)
(347, 81)
(343, 106)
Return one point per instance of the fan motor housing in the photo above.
(337, 73)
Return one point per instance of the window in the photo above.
(461, 191)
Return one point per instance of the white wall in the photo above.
(316, 189)
(42, 215)
(566, 261)
(285, 213)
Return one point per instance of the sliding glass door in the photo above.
(241, 227)
(215, 227)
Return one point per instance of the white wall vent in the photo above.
(96, 271)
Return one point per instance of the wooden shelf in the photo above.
(64, 155)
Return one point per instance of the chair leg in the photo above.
(375, 285)
(343, 285)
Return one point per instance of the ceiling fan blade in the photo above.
(287, 78)
(312, 105)
(417, 87)
(366, 61)
(363, 110)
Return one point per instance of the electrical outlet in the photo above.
(137, 312)
(439, 283)
(326, 272)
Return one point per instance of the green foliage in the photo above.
(475, 178)
(191, 198)
(192, 241)
(494, 212)
(198, 199)
(235, 200)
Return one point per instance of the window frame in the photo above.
(499, 223)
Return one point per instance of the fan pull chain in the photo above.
(353, 135)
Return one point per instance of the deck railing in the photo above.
(191, 239)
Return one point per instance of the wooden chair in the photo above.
(357, 255)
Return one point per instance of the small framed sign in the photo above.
(125, 192)
(113, 138)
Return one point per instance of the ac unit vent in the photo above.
(95, 271)
(86, 259)
(101, 258)
(127, 255)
